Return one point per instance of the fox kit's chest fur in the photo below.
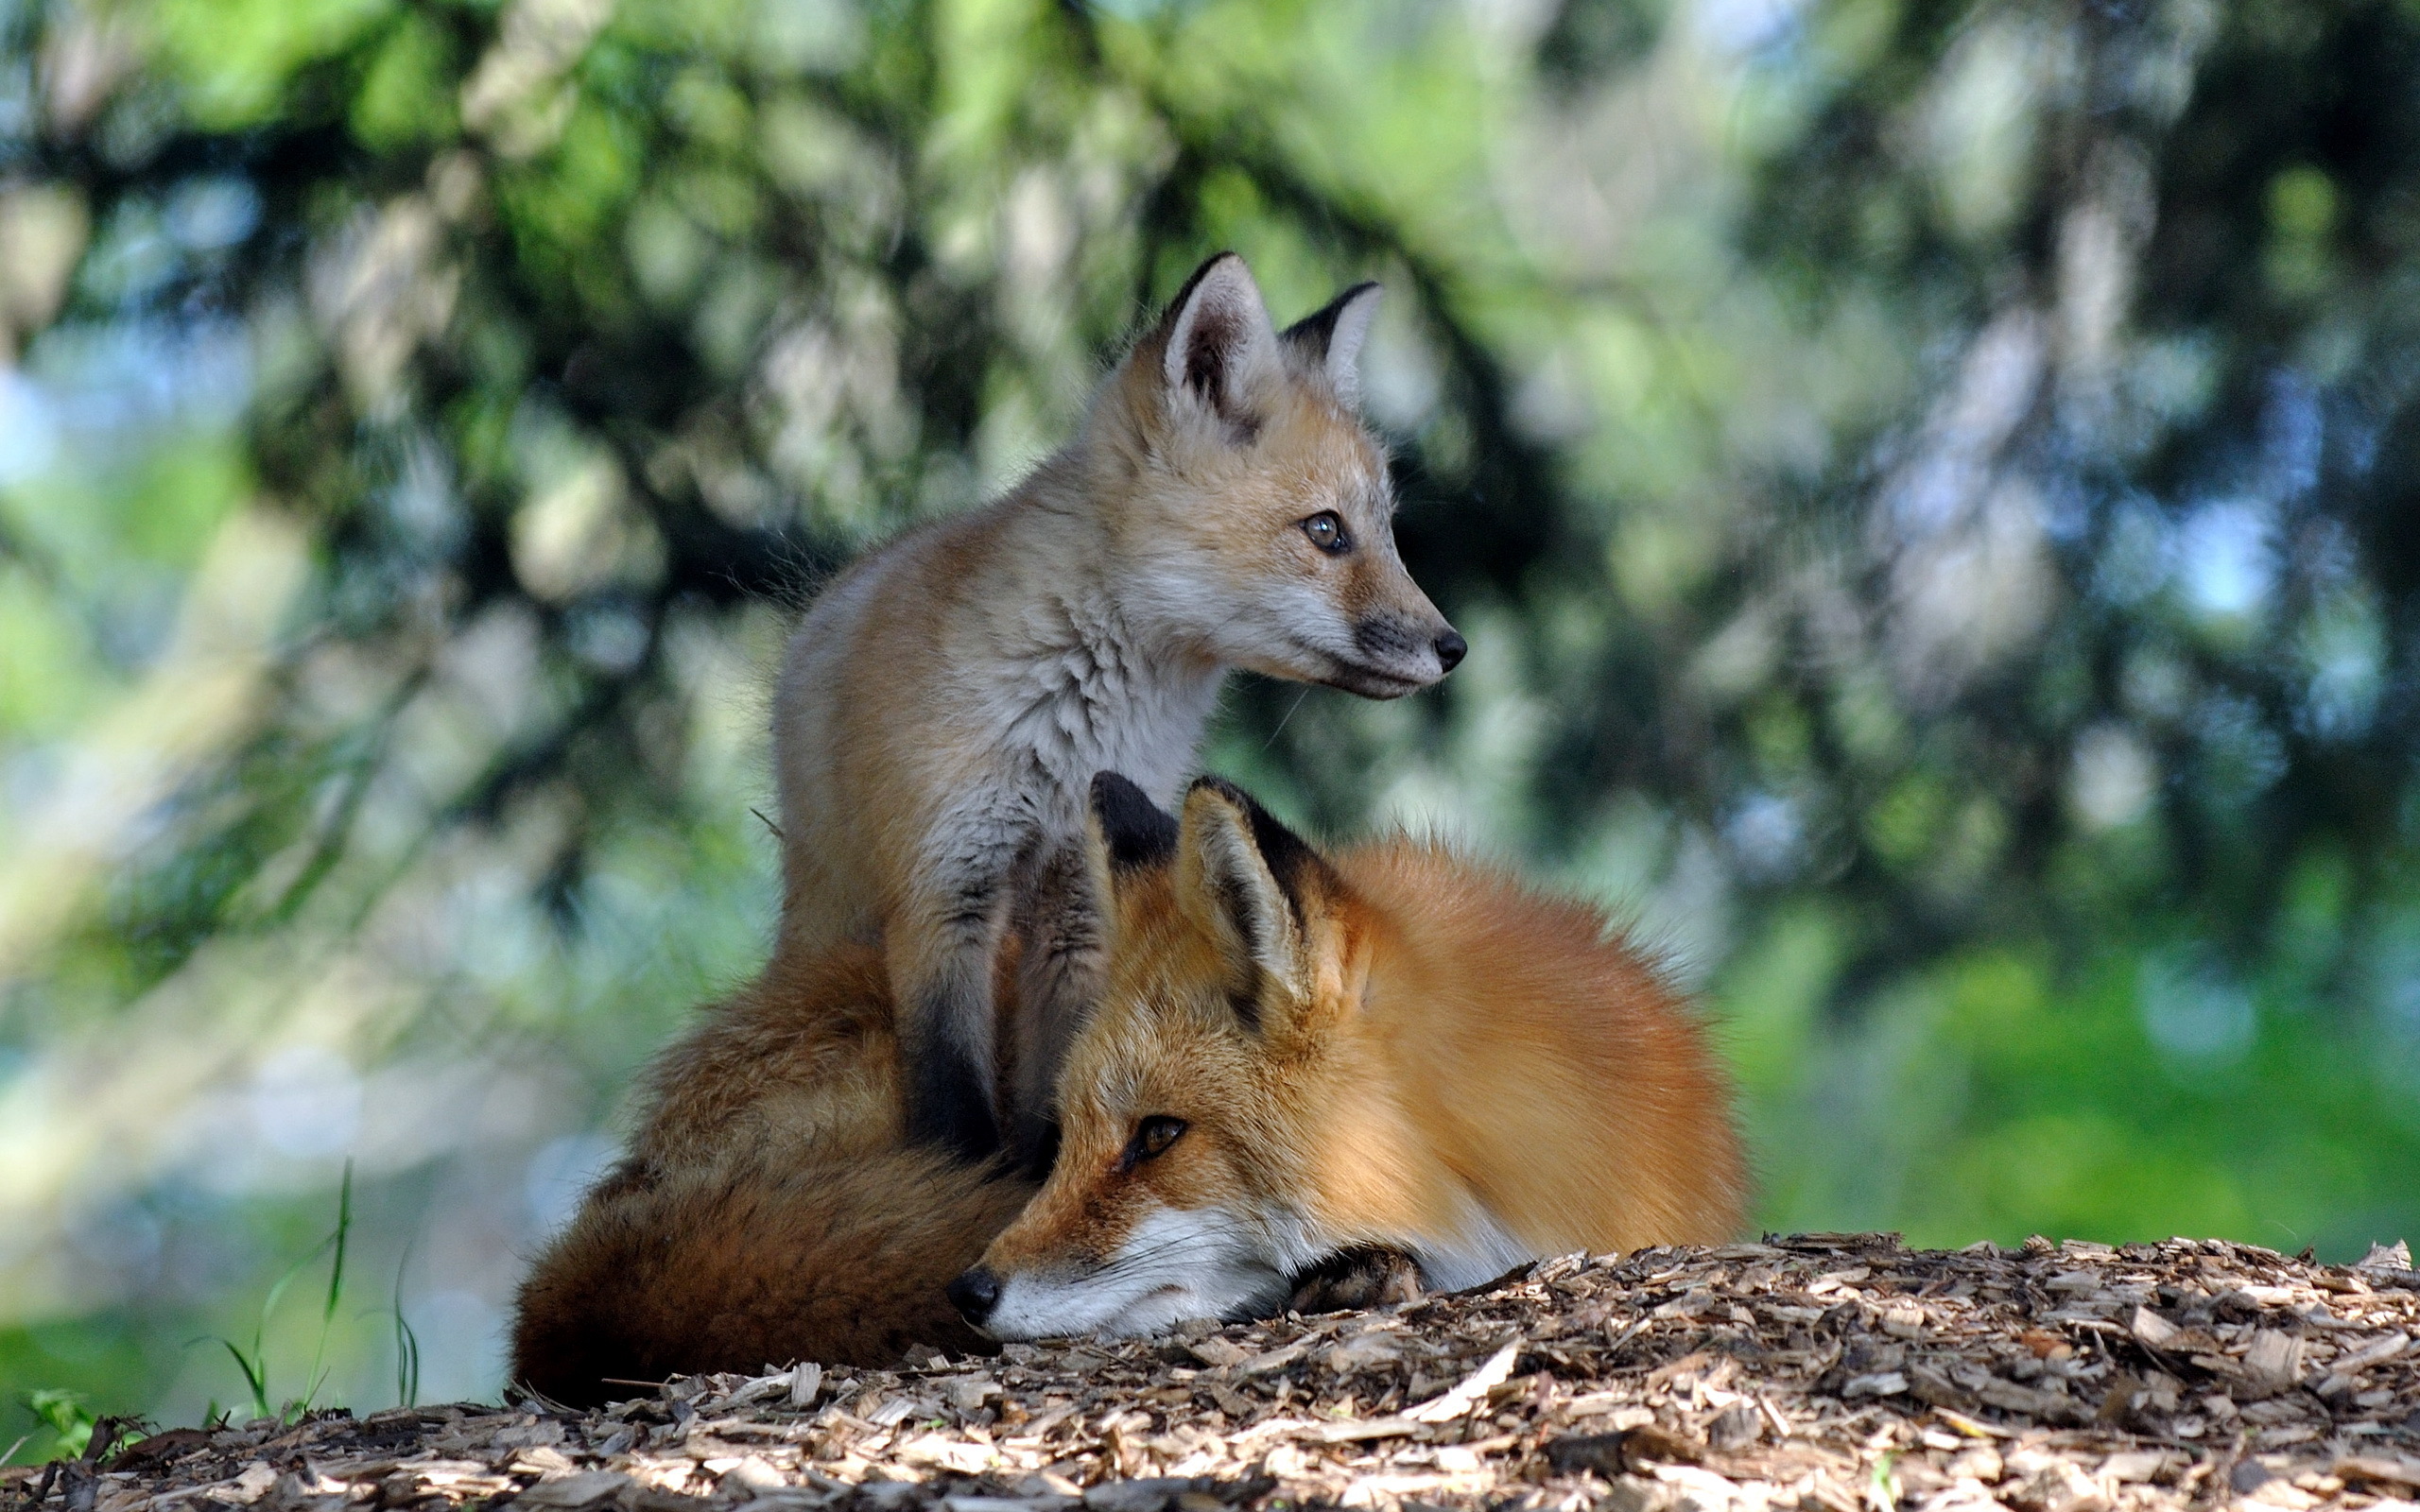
(943, 706)
(944, 709)
(1077, 691)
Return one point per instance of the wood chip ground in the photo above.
(1837, 1373)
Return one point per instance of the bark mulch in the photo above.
(1832, 1372)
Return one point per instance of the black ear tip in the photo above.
(1193, 279)
(1282, 850)
(1316, 329)
(1224, 789)
(1139, 833)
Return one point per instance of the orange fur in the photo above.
(1394, 1047)
(769, 1208)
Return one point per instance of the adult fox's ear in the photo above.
(1126, 829)
(1247, 879)
(1332, 337)
(1218, 335)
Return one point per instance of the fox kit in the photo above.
(770, 1208)
(1297, 1055)
(945, 701)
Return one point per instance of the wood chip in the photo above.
(1472, 1392)
(2274, 1359)
(2376, 1352)
(2396, 1256)
(2394, 1469)
(575, 1491)
(805, 1382)
(2152, 1329)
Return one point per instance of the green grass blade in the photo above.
(407, 1341)
(335, 1290)
(293, 1273)
(344, 1229)
(260, 1328)
(407, 1362)
(256, 1376)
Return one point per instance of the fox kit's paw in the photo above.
(1356, 1279)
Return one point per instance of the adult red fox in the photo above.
(944, 702)
(770, 1208)
(1298, 1055)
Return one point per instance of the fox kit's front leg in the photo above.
(1058, 973)
(940, 953)
(968, 1091)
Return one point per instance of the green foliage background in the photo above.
(1929, 484)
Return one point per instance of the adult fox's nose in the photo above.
(1450, 648)
(975, 1294)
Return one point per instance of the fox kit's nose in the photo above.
(1450, 648)
(975, 1294)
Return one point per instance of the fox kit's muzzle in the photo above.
(1388, 643)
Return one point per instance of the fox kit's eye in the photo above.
(1152, 1137)
(1326, 530)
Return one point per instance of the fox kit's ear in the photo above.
(1244, 875)
(1332, 337)
(1217, 334)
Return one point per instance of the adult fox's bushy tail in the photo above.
(769, 1208)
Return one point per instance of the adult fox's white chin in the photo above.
(1175, 1267)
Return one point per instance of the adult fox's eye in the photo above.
(1152, 1137)
(1326, 530)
